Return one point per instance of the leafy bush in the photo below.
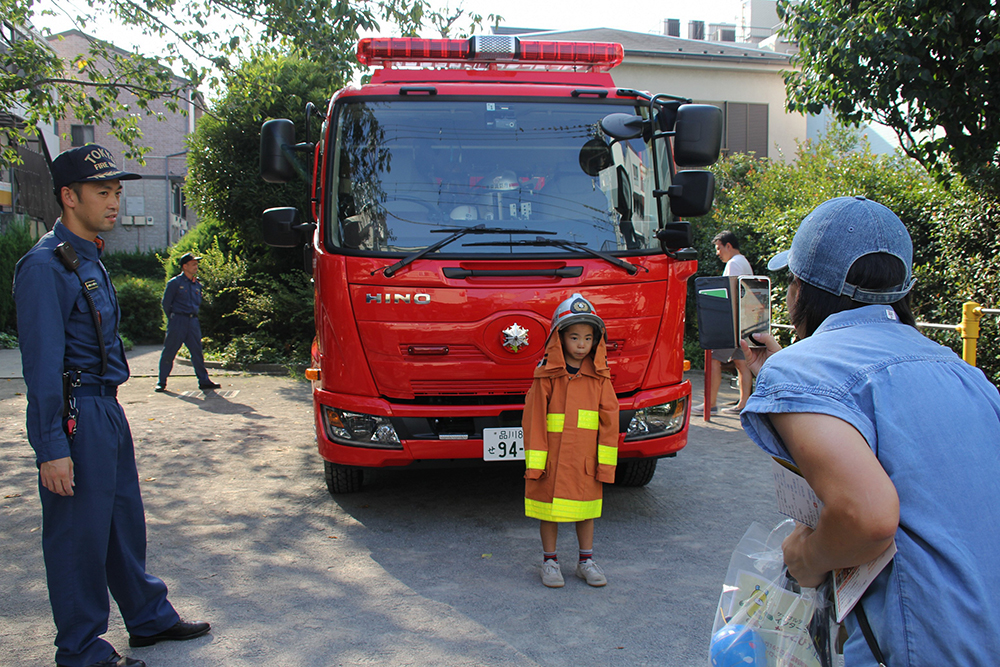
(8, 341)
(249, 317)
(139, 300)
(14, 242)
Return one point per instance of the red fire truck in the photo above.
(458, 198)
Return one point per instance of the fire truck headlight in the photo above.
(657, 421)
(358, 429)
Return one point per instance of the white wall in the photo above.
(712, 81)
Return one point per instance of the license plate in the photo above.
(503, 444)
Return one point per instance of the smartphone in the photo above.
(753, 308)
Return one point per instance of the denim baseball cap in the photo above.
(86, 163)
(838, 232)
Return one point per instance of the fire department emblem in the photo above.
(515, 337)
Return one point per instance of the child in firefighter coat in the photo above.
(571, 436)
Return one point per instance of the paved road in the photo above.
(423, 568)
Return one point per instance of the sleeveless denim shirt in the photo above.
(934, 423)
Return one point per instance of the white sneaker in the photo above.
(551, 574)
(590, 571)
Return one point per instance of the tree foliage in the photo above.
(199, 37)
(956, 248)
(224, 182)
(928, 69)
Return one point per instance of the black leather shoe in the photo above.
(180, 631)
(160, 387)
(115, 660)
(209, 385)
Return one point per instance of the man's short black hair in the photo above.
(726, 237)
(874, 271)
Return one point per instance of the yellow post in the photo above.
(969, 328)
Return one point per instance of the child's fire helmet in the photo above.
(576, 310)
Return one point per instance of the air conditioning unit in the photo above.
(149, 221)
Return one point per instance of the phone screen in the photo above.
(754, 308)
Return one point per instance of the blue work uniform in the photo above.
(95, 540)
(181, 301)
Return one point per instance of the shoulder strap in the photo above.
(67, 255)
(866, 630)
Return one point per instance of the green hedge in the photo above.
(139, 300)
(148, 264)
(14, 242)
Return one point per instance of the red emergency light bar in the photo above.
(504, 51)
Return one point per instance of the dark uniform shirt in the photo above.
(182, 296)
(57, 333)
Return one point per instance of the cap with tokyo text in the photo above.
(86, 164)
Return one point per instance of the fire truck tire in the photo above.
(635, 472)
(343, 479)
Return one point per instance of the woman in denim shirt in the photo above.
(897, 436)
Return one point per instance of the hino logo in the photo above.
(397, 298)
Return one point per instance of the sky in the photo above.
(634, 15)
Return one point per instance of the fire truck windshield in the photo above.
(405, 168)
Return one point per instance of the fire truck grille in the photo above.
(470, 387)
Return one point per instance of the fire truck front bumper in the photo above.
(372, 432)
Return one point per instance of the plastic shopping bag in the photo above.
(764, 618)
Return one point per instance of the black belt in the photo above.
(96, 390)
(184, 314)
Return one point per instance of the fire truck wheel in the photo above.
(343, 479)
(635, 472)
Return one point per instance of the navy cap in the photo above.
(836, 234)
(86, 163)
(189, 257)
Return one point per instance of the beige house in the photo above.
(154, 214)
(744, 81)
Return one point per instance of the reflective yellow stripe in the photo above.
(607, 455)
(562, 509)
(588, 419)
(554, 422)
(536, 458)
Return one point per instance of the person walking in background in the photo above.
(93, 523)
(181, 302)
(570, 436)
(896, 434)
(727, 248)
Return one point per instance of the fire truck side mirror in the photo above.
(691, 193)
(277, 140)
(281, 227)
(697, 135)
(675, 236)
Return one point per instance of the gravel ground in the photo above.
(430, 567)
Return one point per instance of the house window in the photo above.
(82, 134)
(745, 128)
(179, 204)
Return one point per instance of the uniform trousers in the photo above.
(183, 330)
(95, 541)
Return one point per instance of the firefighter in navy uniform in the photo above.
(93, 525)
(181, 302)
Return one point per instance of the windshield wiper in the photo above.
(632, 269)
(457, 233)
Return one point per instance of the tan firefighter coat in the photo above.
(571, 436)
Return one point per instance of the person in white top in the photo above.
(727, 248)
